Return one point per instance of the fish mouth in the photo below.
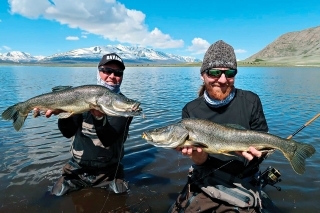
(136, 107)
(147, 137)
(150, 140)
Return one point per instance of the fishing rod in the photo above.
(296, 132)
(303, 126)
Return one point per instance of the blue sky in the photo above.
(187, 28)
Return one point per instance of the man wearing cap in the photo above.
(97, 140)
(219, 101)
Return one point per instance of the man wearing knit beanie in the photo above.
(220, 102)
(219, 54)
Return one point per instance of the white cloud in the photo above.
(6, 48)
(199, 46)
(84, 34)
(72, 38)
(240, 51)
(107, 18)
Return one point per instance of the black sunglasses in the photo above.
(109, 71)
(217, 73)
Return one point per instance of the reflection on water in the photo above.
(31, 159)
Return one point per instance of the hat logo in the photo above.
(113, 57)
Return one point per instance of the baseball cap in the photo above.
(111, 57)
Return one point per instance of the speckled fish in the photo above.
(223, 139)
(74, 100)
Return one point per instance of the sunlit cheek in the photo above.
(231, 81)
(210, 83)
(210, 79)
(103, 76)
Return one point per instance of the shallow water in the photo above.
(31, 159)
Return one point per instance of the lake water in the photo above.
(31, 159)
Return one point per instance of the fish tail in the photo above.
(13, 113)
(297, 160)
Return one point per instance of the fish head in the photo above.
(124, 104)
(170, 136)
(118, 105)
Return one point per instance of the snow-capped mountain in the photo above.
(17, 56)
(93, 54)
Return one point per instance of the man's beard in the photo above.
(219, 93)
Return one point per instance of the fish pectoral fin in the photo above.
(195, 144)
(96, 107)
(93, 106)
(65, 115)
(107, 111)
(268, 151)
(227, 153)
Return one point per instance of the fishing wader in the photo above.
(216, 192)
(75, 177)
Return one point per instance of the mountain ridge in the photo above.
(297, 48)
(129, 54)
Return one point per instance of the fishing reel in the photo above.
(270, 176)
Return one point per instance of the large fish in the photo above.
(221, 139)
(74, 100)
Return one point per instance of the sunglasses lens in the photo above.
(230, 73)
(109, 71)
(218, 73)
(118, 73)
(214, 73)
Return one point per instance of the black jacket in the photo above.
(244, 110)
(96, 143)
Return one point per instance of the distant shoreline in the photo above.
(94, 65)
(240, 64)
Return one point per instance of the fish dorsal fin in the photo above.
(65, 115)
(195, 144)
(235, 126)
(59, 88)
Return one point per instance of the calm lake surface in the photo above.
(31, 159)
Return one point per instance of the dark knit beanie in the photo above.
(219, 55)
